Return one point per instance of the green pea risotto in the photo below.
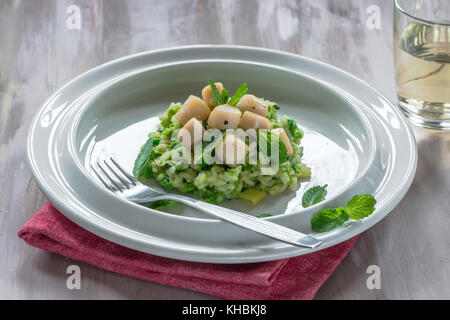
(205, 147)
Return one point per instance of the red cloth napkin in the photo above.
(294, 278)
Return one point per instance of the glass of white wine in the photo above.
(422, 61)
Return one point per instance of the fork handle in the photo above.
(264, 227)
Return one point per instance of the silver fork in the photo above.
(117, 180)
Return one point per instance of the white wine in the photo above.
(422, 61)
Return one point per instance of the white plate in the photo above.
(356, 141)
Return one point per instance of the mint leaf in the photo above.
(314, 195)
(225, 96)
(264, 215)
(276, 141)
(239, 94)
(360, 207)
(328, 219)
(161, 204)
(268, 142)
(140, 168)
(215, 93)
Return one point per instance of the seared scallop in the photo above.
(191, 133)
(224, 117)
(251, 103)
(208, 96)
(193, 107)
(252, 120)
(231, 150)
(284, 138)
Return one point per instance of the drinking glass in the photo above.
(422, 61)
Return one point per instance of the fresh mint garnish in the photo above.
(357, 208)
(215, 93)
(224, 98)
(268, 142)
(161, 204)
(239, 94)
(360, 207)
(140, 168)
(314, 195)
(328, 219)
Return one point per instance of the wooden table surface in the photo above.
(39, 53)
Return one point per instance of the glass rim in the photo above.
(400, 8)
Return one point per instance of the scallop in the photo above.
(193, 107)
(252, 120)
(208, 96)
(191, 133)
(224, 117)
(284, 138)
(251, 103)
(231, 150)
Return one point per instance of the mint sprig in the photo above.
(140, 168)
(239, 94)
(216, 94)
(328, 219)
(359, 207)
(224, 98)
(314, 195)
(268, 142)
(161, 204)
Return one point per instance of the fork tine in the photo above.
(125, 182)
(111, 179)
(126, 174)
(99, 176)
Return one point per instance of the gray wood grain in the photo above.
(38, 54)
